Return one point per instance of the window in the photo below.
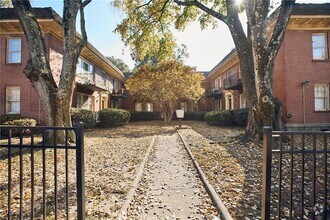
(114, 84)
(321, 96)
(85, 102)
(320, 46)
(242, 101)
(144, 107)
(13, 100)
(114, 104)
(85, 69)
(218, 83)
(218, 105)
(14, 50)
(229, 102)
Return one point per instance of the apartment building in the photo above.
(98, 85)
(301, 74)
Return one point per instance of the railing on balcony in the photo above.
(214, 92)
(88, 82)
(233, 82)
(119, 93)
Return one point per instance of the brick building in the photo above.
(99, 84)
(301, 74)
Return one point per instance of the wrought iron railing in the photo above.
(296, 176)
(41, 173)
(233, 81)
(214, 92)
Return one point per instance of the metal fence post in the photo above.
(80, 164)
(266, 172)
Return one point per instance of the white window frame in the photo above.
(90, 103)
(218, 104)
(8, 52)
(218, 83)
(144, 107)
(10, 100)
(227, 101)
(242, 101)
(325, 46)
(326, 98)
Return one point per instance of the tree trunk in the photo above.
(56, 100)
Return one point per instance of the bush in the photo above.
(6, 118)
(83, 115)
(241, 116)
(29, 122)
(113, 117)
(194, 116)
(145, 116)
(227, 118)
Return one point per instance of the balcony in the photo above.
(119, 93)
(214, 93)
(233, 82)
(88, 83)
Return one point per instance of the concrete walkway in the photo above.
(170, 187)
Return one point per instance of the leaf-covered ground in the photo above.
(235, 170)
(111, 160)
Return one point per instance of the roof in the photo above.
(49, 13)
(231, 54)
(298, 10)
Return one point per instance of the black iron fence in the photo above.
(296, 175)
(42, 172)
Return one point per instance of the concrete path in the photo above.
(170, 187)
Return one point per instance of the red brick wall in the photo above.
(12, 75)
(294, 66)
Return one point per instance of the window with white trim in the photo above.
(321, 97)
(85, 101)
(14, 50)
(319, 41)
(242, 99)
(184, 106)
(144, 107)
(86, 70)
(218, 104)
(229, 102)
(13, 100)
(218, 83)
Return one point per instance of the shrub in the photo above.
(194, 116)
(220, 118)
(241, 116)
(6, 118)
(83, 115)
(145, 116)
(227, 118)
(29, 122)
(113, 117)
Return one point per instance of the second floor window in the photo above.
(320, 46)
(14, 50)
(218, 83)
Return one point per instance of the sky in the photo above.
(205, 47)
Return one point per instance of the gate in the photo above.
(40, 178)
(296, 175)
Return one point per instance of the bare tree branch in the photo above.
(280, 27)
(83, 41)
(204, 8)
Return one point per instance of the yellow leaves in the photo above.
(165, 81)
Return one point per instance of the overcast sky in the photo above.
(206, 48)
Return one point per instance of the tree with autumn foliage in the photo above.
(165, 84)
(148, 29)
